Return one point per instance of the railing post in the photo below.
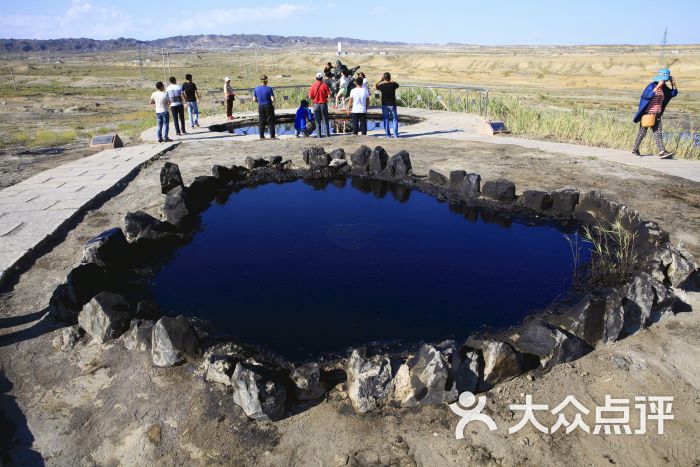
(486, 111)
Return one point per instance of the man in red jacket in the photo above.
(319, 93)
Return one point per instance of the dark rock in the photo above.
(501, 361)
(664, 300)
(551, 345)
(500, 190)
(173, 341)
(588, 208)
(221, 173)
(535, 200)
(307, 153)
(399, 165)
(202, 189)
(319, 161)
(609, 210)
(238, 172)
(360, 158)
(82, 283)
(109, 248)
(139, 335)
(637, 303)
(629, 218)
(466, 185)
(219, 369)
(585, 319)
(257, 393)
(614, 317)
(564, 200)
(650, 234)
(597, 318)
(471, 186)
(139, 226)
(467, 373)
(202, 328)
(307, 379)
(255, 162)
(70, 337)
(274, 160)
(338, 163)
(105, 317)
(369, 380)
(149, 310)
(170, 177)
(680, 266)
(456, 179)
(338, 154)
(378, 160)
(422, 379)
(590, 201)
(437, 178)
(175, 209)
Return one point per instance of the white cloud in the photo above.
(213, 21)
(85, 18)
(81, 19)
(378, 10)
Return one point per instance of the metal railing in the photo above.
(453, 98)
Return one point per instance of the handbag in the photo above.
(648, 120)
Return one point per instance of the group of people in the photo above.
(175, 97)
(353, 96)
(358, 96)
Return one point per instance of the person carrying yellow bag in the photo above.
(652, 104)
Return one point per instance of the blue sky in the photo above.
(468, 21)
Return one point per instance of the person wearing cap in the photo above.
(319, 93)
(265, 97)
(652, 104)
(229, 97)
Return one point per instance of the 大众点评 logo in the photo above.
(613, 417)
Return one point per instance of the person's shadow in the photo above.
(40, 327)
(16, 438)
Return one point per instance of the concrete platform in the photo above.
(463, 127)
(34, 210)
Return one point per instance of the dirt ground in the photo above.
(103, 405)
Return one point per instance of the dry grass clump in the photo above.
(586, 127)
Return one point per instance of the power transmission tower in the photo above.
(140, 62)
(165, 71)
(14, 84)
(662, 61)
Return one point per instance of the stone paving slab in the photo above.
(32, 211)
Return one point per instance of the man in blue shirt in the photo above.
(265, 96)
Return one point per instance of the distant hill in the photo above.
(202, 41)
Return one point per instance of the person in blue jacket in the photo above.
(304, 116)
(654, 100)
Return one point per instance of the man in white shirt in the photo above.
(177, 107)
(358, 103)
(160, 99)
